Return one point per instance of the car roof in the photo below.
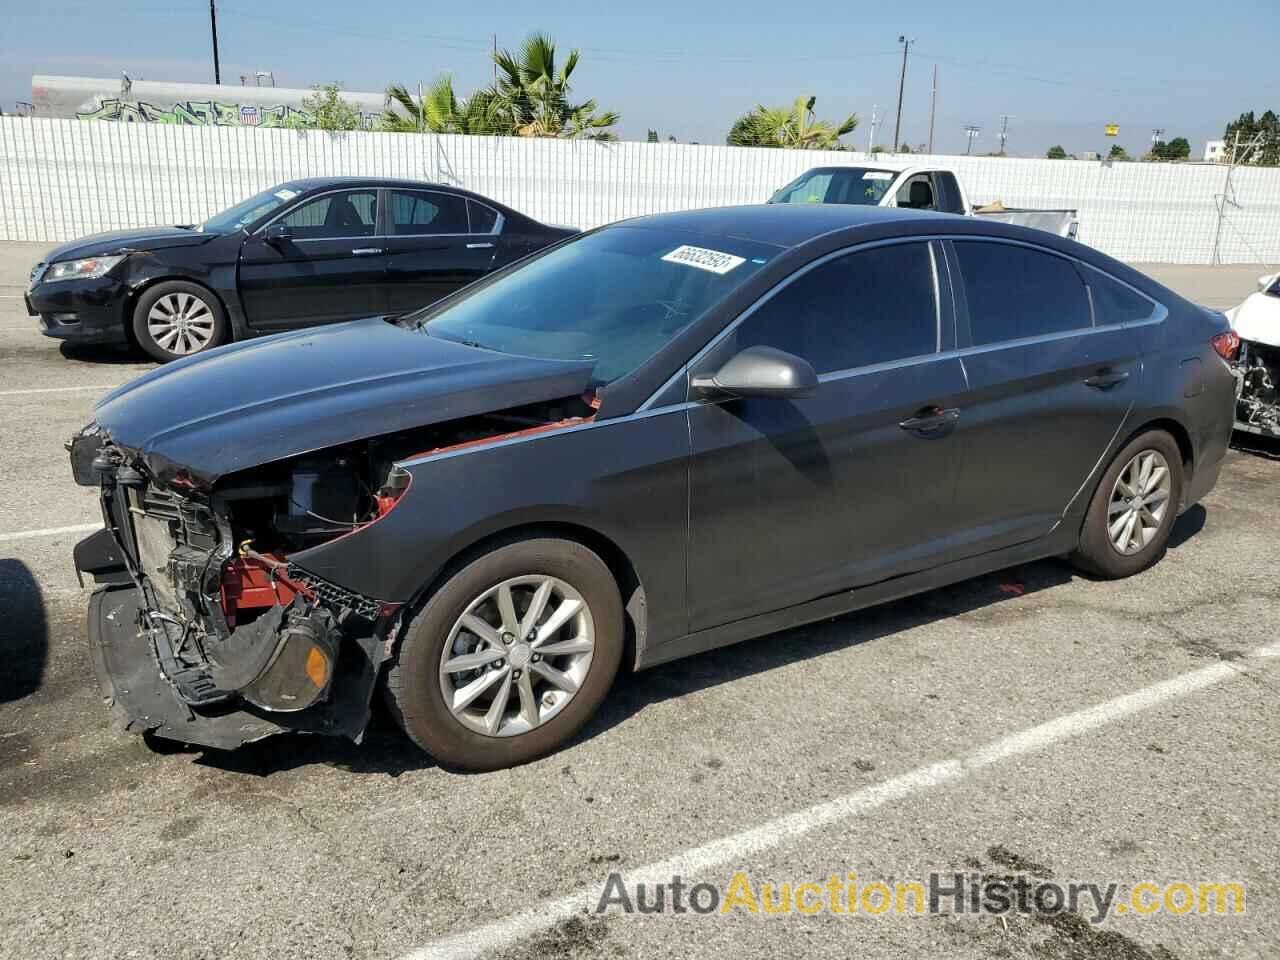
(784, 224)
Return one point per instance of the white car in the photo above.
(1257, 371)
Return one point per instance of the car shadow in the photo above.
(387, 751)
(24, 639)
(1259, 446)
(102, 354)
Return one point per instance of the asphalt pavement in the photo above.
(1030, 722)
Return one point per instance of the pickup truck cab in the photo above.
(915, 188)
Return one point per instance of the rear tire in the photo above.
(519, 714)
(1133, 509)
(177, 319)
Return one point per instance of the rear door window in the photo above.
(483, 219)
(1115, 303)
(1013, 292)
(334, 216)
(418, 213)
(863, 308)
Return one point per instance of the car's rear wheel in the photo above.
(510, 656)
(1133, 509)
(177, 319)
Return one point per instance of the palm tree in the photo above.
(531, 97)
(439, 110)
(795, 127)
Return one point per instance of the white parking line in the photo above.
(734, 848)
(104, 387)
(50, 532)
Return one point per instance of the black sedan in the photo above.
(299, 254)
(666, 435)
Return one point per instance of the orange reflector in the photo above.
(318, 667)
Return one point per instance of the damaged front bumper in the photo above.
(198, 640)
(1257, 376)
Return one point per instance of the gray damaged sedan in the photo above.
(662, 436)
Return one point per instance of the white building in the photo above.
(1215, 151)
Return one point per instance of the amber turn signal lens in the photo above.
(318, 667)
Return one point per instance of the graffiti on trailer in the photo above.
(197, 112)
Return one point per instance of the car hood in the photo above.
(258, 401)
(1257, 319)
(120, 241)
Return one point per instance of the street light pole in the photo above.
(902, 81)
(213, 25)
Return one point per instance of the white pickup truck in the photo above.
(915, 187)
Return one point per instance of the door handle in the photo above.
(931, 420)
(365, 251)
(480, 246)
(1106, 379)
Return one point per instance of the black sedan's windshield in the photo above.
(857, 185)
(247, 211)
(615, 296)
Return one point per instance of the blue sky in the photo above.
(1062, 70)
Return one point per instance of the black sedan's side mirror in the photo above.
(277, 233)
(761, 372)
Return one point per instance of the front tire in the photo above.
(1133, 509)
(510, 657)
(176, 319)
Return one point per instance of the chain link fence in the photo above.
(61, 179)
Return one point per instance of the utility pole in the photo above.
(871, 140)
(933, 104)
(902, 82)
(213, 25)
(1156, 134)
(971, 131)
(1004, 131)
(495, 61)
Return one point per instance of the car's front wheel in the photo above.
(510, 656)
(176, 319)
(1133, 509)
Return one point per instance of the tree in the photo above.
(904, 148)
(531, 97)
(1056, 152)
(439, 110)
(325, 109)
(1266, 128)
(1118, 153)
(795, 128)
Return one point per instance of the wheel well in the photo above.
(131, 301)
(624, 572)
(1179, 434)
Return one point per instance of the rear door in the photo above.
(330, 266)
(433, 247)
(1048, 388)
(791, 500)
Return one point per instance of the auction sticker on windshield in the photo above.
(704, 259)
(878, 175)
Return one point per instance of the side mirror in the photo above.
(277, 233)
(761, 372)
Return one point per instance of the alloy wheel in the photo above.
(180, 323)
(1139, 502)
(517, 656)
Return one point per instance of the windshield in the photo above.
(615, 296)
(860, 185)
(247, 211)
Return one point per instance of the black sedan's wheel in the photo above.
(1132, 512)
(176, 319)
(510, 657)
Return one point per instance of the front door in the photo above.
(1049, 389)
(433, 249)
(329, 265)
(791, 500)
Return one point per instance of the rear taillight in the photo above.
(1227, 345)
